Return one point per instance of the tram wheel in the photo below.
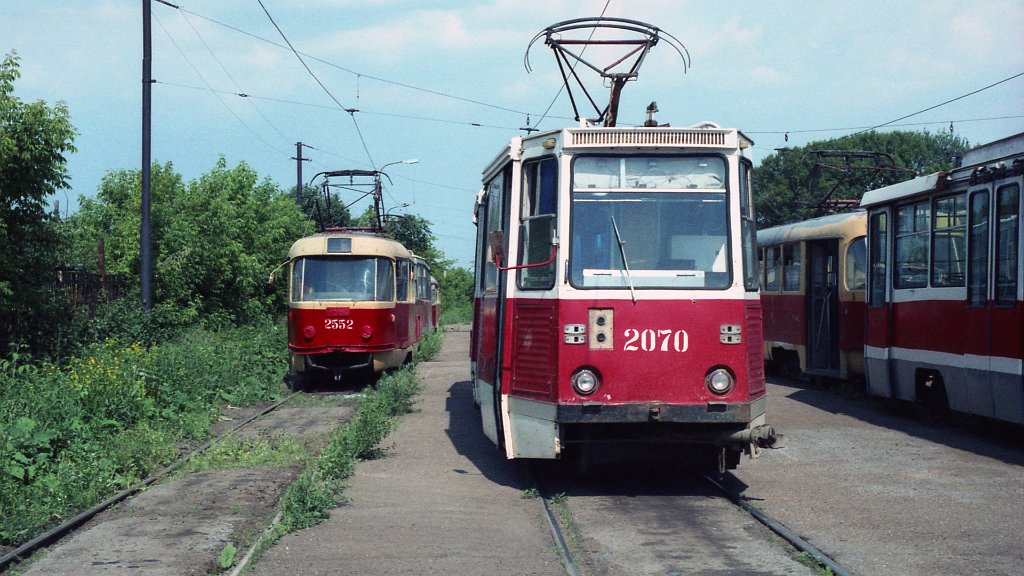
(296, 382)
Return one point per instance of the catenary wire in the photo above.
(1018, 75)
(349, 70)
(230, 77)
(203, 79)
(351, 111)
(325, 107)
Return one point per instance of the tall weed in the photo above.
(72, 435)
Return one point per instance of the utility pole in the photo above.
(145, 230)
(298, 171)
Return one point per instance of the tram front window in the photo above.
(666, 215)
(343, 279)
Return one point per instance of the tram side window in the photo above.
(856, 264)
(422, 282)
(791, 267)
(879, 257)
(493, 203)
(949, 254)
(1007, 243)
(538, 225)
(772, 268)
(911, 264)
(977, 247)
(748, 229)
(402, 280)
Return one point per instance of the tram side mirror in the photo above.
(497, 239)
(268, 288)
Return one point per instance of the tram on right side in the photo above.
(944, 321)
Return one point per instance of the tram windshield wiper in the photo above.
(625, 263)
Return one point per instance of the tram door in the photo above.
(823, 305)
(489, 319)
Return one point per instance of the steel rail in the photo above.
(57, 532)
(563, 547)
(777, 527)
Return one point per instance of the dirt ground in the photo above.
(181, 526)
(878, 490)
(886, 493)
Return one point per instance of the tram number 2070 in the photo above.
(656, 340)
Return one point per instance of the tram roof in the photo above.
(920, 185)
(361, 243)
(703, 136)
(831, 226)
(938, 181)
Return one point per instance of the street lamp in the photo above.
(409, 161)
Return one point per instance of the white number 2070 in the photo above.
(651, 340)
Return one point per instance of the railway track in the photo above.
(56, 533)
(567, 538)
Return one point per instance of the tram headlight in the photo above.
(719, 381)
(585, 381)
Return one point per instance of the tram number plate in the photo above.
(338, 324)
(665, 340)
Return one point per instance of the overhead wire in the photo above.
(230, 77)
(355, 73)
(351, 111)
(203, 79)
(994, 84)
(325, 107)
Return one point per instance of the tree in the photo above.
(34, 139)
(788, 188)
(215, 239)
(333, 214)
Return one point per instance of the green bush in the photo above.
(72, 435)
(309, 499)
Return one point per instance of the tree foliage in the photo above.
(34, 139)
(787, 189)
(215, 239)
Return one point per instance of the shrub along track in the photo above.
(186, 508)
(55, 534)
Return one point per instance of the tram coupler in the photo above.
(766, 437)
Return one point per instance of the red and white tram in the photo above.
(358, 301)
(812, 294)
(616, 292)
(945, 317)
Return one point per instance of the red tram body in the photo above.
(357, 301)
(616, 292)
(945, 314)
(812, 294)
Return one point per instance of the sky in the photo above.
(444, 82)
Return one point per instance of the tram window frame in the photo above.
(912, 230)
(773, 267)
(748, 229)
(538, 223)
(852, 259)
(1007, 239)
(792, 259)
(978, 247)
(648, 269)
(878, 257)
(403, 269)
(948, 256)
(493, 209)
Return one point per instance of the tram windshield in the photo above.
(342, 279)
(649, 222)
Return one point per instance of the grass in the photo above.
(319, 488)
(239, 452)
(71, 435)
